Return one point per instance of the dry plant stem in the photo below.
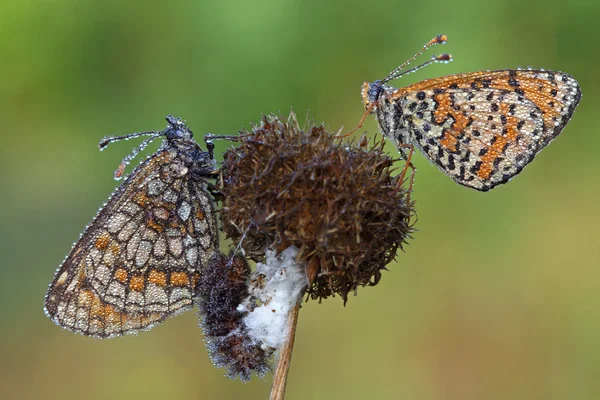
(285, 357)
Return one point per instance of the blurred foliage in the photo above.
(496, 298)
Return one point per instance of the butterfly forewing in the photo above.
(480, 128)
(138, 261)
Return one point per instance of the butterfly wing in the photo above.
(139, 260)
(483, 128)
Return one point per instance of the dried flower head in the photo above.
(336, 202)
(223, 285)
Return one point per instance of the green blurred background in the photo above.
(498, 296)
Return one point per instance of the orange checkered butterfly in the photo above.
(139, 260)
(480, 128)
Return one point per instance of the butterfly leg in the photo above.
(216, 193)
(360, 123)
(233, 138)
(407, 164)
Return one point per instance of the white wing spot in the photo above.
(184, 211)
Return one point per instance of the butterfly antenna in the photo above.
(134, 152)
(439, 39)
(442, 58)
(110, 139)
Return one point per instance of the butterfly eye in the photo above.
(172, 120)
(178, 133)
(375, 90)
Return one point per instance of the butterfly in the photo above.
(479, 128)
(139, 260)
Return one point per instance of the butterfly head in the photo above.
(178, 137)
(177, 129)
(371, 93)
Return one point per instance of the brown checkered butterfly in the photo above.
(139, 260)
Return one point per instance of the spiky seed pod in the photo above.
(337, 202)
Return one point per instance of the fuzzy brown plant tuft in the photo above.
(223, 285)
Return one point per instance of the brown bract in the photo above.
(336, 201)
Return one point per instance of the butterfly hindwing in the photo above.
(480, 128)
(139, 260)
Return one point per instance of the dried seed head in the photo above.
(337, 202)
(221, 288)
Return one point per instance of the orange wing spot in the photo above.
(502, 83)
(103, 241)
(137, 283)
(147, 319)
(96, 307)
(485, 171)
(111, 316)
(494, 151)
(200, 214)
(152, 224)
(449, 141)
(460, 122)
(179, 279)
(141, 199)
(85, 298)
(158, 278)
(115, 249)
(195, 279)
(511, 123)
(168, 207)
(121, 275)
(190, 226)
(542, 100)
(443, 111)
(444, 107)
(81, 275)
